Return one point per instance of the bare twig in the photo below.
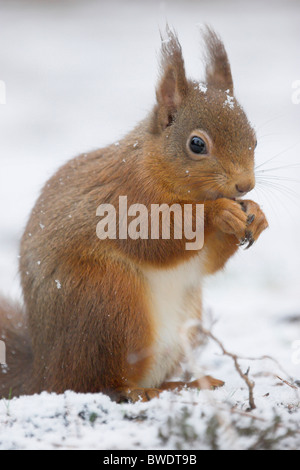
(269, 358)
(287, 383)
(250, 384)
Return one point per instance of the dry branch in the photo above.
(250, 384)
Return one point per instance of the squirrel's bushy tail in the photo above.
(15, 374)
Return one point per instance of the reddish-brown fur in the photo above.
(84, 334)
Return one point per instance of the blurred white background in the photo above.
(81, 73)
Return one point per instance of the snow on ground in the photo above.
(79, 75)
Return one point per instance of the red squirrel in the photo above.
(107, 315)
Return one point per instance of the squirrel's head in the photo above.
(204, 140)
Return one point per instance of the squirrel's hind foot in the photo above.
(137, 394)
(204, 383)
(134, 395)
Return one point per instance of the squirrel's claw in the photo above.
(248, 238)
(243, 241)
(251, 242)
(250, 219)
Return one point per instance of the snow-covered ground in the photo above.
(80, 74)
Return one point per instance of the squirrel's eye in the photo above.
(198, 146)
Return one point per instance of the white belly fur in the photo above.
(175, 301)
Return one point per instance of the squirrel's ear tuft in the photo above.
(218, 71)
(173, 85)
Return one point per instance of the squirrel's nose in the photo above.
(244, 187)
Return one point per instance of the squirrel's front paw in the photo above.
(243, 219)
(229, 217)
(256, 222)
